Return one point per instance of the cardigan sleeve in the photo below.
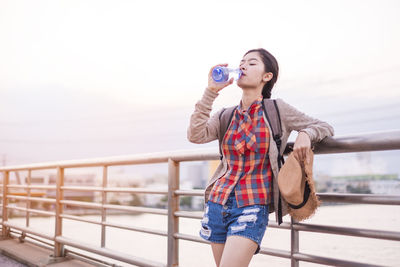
(203, 128)
(298, 121)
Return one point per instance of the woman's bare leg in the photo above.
(217, 250)
(237, 252)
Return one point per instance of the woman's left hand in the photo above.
(302, 147)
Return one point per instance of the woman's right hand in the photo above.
(214, 86)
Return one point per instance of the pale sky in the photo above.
(97, 78)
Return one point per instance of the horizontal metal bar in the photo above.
(114, 207)
(137, 209)
(109, 253)
(188, 214)
(82, 188)
(28, 230)
(44, 243)
(41, 212)
(196, 155)
(137, 229)
(31, 240)
(190, 238)
(92, 261)
(37, 199)
(274, 224)
(46, 187)
(331, 261)
(275, 252)
(136, 190)
(116, 225)
(147, 158)
(389, 140)
(81, 204)
(360, 198)
(387, 235)
(194, 193)
(115, 189)
(78, 218)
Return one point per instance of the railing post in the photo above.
(294, 243)
(6, 176)
(103, 210)
(28, 201)
(173, 206)
(58, 248)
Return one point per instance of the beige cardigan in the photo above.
(203, 129)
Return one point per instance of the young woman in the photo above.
(243, 191)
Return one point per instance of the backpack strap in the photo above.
(274, 119)
(225, 118)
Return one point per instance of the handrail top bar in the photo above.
(388, 140)
(372, 141)
(144, 158)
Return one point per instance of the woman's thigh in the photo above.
(237, 252)
(217, 250)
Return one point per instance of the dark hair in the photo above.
(270, 65)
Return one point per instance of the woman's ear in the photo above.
(268, 76)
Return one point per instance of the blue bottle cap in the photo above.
(220, 74)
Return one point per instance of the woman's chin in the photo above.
(240, 84)
(245, 87)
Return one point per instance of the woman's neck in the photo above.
(248, 97)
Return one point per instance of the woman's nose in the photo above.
(243, 67)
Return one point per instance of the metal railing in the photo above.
(366, 142)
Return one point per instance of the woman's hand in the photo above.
(214, 86)
(302, 147)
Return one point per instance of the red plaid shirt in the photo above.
(245, 146)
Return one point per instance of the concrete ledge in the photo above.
(35, 256)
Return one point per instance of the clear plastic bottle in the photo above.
(223, 74)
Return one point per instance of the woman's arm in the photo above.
(202, 128)
(298, 121)
(310, 129)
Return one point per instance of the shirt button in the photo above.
(225, 207)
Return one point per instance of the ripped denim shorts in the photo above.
(221, 221)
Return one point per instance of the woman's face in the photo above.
(253, 72)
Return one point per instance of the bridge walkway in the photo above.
(16, 254)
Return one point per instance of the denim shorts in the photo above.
(221, 221)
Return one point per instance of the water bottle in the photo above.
(223, 74)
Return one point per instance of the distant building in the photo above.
(361, 184)
(390, 187)
(197, 174)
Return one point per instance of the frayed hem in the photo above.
(217, 242)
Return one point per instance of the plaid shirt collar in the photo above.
(244, 136)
